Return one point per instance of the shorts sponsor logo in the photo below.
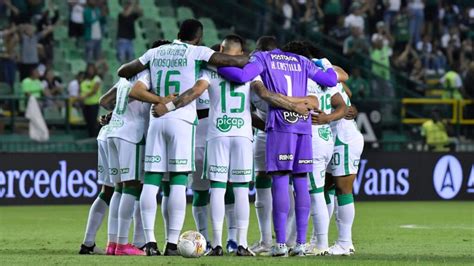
(285, 157)
(178, 161)
(293, 117)
(152, 159)
(225, 123)
(113, 171)
(124, 170)
(242, 171)
(447, 177)
(324, 133)
(116, 123)
(220, 169)
(305, 161)
(100, 169)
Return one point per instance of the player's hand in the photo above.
(351, 113)
(169, 98)
(302, 108)
(158, 110)
(319, 118)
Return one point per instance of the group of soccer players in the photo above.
(183, 111)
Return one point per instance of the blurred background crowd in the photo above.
(66, 53)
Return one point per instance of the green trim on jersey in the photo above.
(134, 191)
(137, 161)
(263, 182)
(345, 199)
(217, 184)
(346, 154)
(197, 68)
(317, 190)
(311, 181)
(118, 188)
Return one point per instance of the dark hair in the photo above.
(86, 75)
(189, 29)
(297, 47)
(266, 43)
(159, 43)
(235, 38)
(216, 47)
(313, 49)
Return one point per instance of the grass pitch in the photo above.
(385, 233)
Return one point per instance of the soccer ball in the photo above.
(191, 244)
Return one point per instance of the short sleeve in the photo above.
(146, 57)
(203, 53)
(204, 75)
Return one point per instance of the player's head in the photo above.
(233, 45)
(297, 47)
(159, 43)
(266, 43)
(190, 31)
(313, 50)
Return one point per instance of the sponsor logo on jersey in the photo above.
(293, 117)
(324, 133)
(305, 161)
(115, 123)
(220, 169)
(242, 171)
(124, 170)
(285, 157)
(178, 161)
(283, 57)
(152, 159)
(225, 123)
(447, 177)
(113, 171)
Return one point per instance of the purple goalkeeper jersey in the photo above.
(287, 74)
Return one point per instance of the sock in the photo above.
(302, 207)
(164, 206)
(345, 218)
(112, 224)
(229, 200)
(320, 216)
(281, 206)
(200, 210)
(242, 212)
(176, 206)
(329, 196)
(138, 232)
(217, 211)
(126, 209)
(291, 220)
(263, 208)
(148, 204)
(94, 220)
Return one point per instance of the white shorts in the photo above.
(323, 148)
(346, 157)
(229, 159)
(125, 160)
(197, 182)
(103, 177)
(169, 146)
(259, 149)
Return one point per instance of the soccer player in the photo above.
(98, 208)
(170, 139)
(349, 144)
(286, 72)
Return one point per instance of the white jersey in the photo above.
(229, 113)
(324, 97)
(175, 68)
(344, 129)
(103, 133)
(260, 105)
(130, 117)
(202, 103)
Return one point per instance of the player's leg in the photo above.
(112, 225)
(229, 200)
(291, 220)
(200, 187)
(165, 188)
(217, 171)
(329, 194)
(180, 163)
(130, 157)
(155, 155)
(263, 196)
(303, 164)
(138, 232)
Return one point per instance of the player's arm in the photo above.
(130, 69)
(182, 100)
(342, 75)
(340, 110)
(347, 89)
(278, 100)
(222, 60)
(141, 92)
(107, 101)
(241, 75)
(310, 100)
